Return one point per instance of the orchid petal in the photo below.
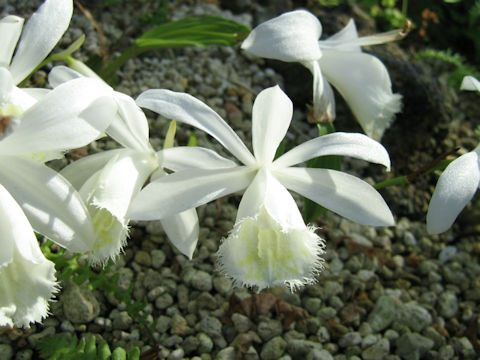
(6, 86)
(50, 203)
(78, 172)
(40, 35)
(177, 192)
(130, 128)
(108, 194)
(455, 188)
(27, 278)
(323, 97)
(61, 74)
(185, 108)
(10, 28)
(367, 89)
(290, 37)
(271, 116)
(193, 157)
(344, 39)
(346, 144)
(341, 193)
(26, 97)
(182, 229)
(70, 116)
(270, 244)
(265, 190)
(347, 39)
(470, 83)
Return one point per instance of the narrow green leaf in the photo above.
(193, 31)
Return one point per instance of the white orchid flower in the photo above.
(69, 116)
(458, 183)
(27, 278)
(35, 197)
(39, 36)
(270, 243)
(108, 181)
(360, 78)
(470, 83)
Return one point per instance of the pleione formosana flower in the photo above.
(360, 78)
(31, 44)
(36, 198)
(27, 278)
(458, 183)
(270, 243)
(109, 180)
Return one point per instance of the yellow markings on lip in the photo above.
(103, 222)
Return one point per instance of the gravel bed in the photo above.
(386, 293)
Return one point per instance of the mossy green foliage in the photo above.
(69, 268)
(65, 347)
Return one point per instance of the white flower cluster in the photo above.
(88, 205)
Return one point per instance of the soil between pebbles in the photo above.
(386, 293)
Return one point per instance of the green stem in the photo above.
(110, 69)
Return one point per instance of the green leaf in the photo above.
(193, 31)
(192, 140)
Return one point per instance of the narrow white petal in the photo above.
(323, 97)
(182, 229)
(185, 108)
(70, 116)
(27, 278)
(341, 193)
(271, 116)
(6, 86)
(344, 39)
(455, 188)
(470, 83)
(51, 204)
(78, 172)
(183, 190)
(367, 89)
(292, 36)
(10, 28)
(193, 157)
(130, 128)
(24, 98)
(40, 35)
(347, 39)
(346, 144)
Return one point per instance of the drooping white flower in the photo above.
(27, 278)
(108, 181)
(69, 116)
(267, 215)
(360, 78)
(35, 197)
(39, 36)
(458, 183)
